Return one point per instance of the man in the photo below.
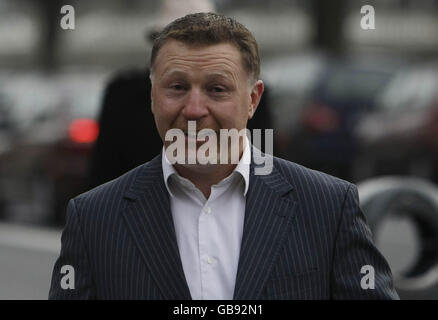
(216, 230)
(127, 132)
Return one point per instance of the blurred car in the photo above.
(52, 128)
(290, 79)
(6, 124)
(401, 135)
(324, 136)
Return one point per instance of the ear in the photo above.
(256, 95)
(152, 97)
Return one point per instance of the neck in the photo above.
(203, 176)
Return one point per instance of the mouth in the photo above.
(199, 136)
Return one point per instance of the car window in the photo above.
(35, 97)
(410, 90)
(357, 85)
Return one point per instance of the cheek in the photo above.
(161, 115)
(163, 108)
(244, 107)
(231, 115)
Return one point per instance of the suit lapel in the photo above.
(269, 211)
(268, 214)
(149, 220)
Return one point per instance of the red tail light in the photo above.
(321, 118)
(83, 130)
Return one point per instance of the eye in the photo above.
(177, 87)
(218, 89)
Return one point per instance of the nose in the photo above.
(195, 105)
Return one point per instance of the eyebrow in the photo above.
(172, 72)
(225, 74)
(177, 72)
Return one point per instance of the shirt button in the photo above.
(210, 260)
(208, 210)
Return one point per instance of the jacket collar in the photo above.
(269, 211)
(242, 168)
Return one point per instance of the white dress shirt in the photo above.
(209, 231)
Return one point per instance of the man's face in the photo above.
(206, 84)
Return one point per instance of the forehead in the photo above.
(176, 55)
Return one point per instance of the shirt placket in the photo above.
(205, 251)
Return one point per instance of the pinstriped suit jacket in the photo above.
(304, 238)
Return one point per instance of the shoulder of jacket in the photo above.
(297, 173)
(112, 190)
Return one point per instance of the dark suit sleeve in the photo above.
(355, 257)
(74, 254)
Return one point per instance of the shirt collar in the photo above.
(242, 167)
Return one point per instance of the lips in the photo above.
(198, 135)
